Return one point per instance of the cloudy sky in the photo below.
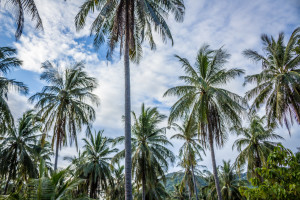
(234, 24)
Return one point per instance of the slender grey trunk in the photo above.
(194, 181)
(128, 186)
(56, 154)
(213, 159)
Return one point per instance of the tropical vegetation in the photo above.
(203, 116)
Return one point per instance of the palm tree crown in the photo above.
(277, 86)
(255, 144)
(63, 105)
(25, 6)
(132, 21)
(8, 61)
(17, 149)
(190, 151)
(96, 166)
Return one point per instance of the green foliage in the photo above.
(281, 178)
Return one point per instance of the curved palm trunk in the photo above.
(194, 181)
(56, 154)
(128, 187)
(213, 159)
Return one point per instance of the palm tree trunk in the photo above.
(7, 183)
(144, 186)
(128, 187)
(190, 191)
(213, 159)
(56, 154)
(194, 181)
(258, 164)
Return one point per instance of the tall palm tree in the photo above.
(129, 23)
(63, 104)
(96, 166)
(277, 86)
(230, 182)
(24, 6)
(255, 143)
(8, 61)
(150, 154)
(17, 150)
(191, 149)
(210, 105)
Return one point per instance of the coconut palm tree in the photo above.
(128, 23)
(191, 149)
(63, 104)
(230, 182)
(179, 193)
(8, 61)
(213, 107)
(277, 85)
(24, 6)
(255, 143)
(60, 185)
(116, 191)
(96, 166)
(17, 150)
(150, 154)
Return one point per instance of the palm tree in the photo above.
(60, 185)
(63, 105)
(42, 152)
(17, 149)
(210, 105)
(129, 23)
(25, 6)
(96, 167)
(208, 191)
(255, 144)
(150, 154)
(277, 86)
(191, 149)
(230, 182)
(116, 191)
(179, 193)
(8, 61)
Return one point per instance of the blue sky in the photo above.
(234, 24)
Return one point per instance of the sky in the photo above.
(234, 25)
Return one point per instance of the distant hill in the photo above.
(176, 177)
